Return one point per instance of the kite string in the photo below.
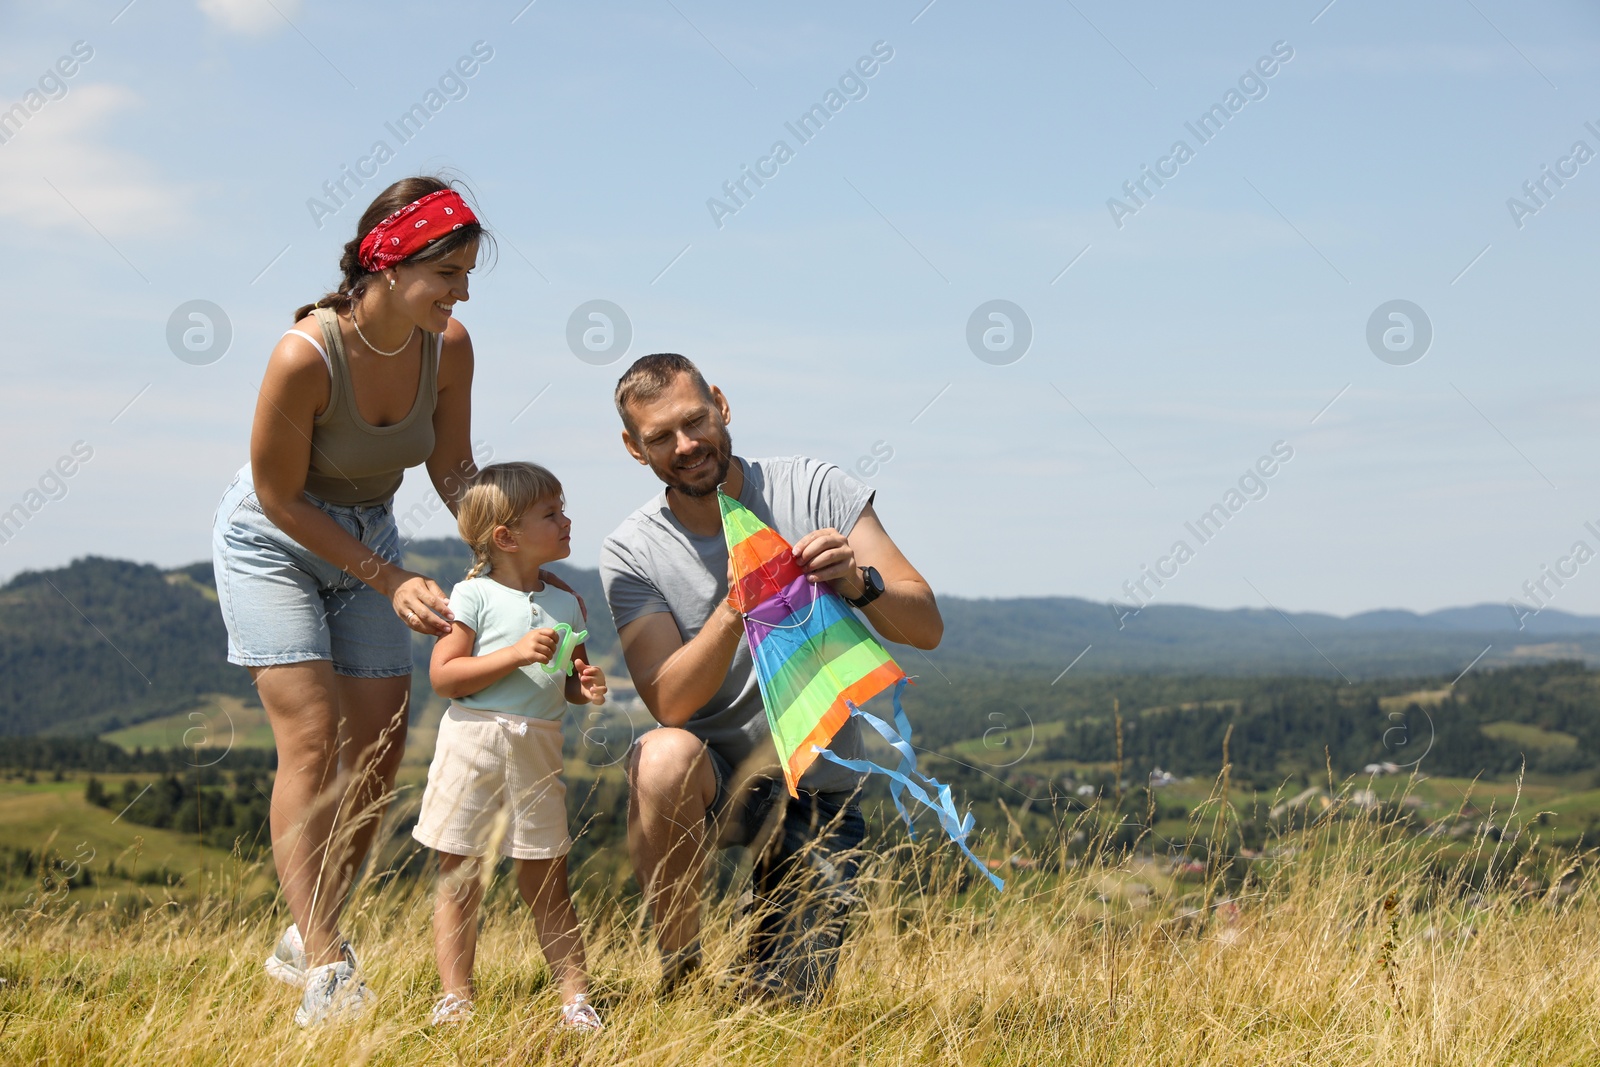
(780, 626)
(775, 566)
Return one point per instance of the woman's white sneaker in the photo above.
(333, 991)
(288, 961)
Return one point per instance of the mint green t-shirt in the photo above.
(499, 616)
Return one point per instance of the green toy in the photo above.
(567, 641)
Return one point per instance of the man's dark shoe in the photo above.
(677, 966)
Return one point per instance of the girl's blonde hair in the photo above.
(498, 496)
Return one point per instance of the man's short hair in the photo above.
(652, 375)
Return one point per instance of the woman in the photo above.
(372, 379)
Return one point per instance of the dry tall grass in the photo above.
(1354, 945)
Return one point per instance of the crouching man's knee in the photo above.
(669, 770)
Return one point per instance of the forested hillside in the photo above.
(1048, 633)
(1489, 722)
(102, 643)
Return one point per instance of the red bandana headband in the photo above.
(413, 228)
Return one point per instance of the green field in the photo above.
(219, 723)
(1342, 946)
(216, 723)
(121, 857)
(1529, 736)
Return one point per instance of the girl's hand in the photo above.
(547, 577)
(591, 682)
(419, 601)
(537, 646)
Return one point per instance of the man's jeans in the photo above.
(804, 889)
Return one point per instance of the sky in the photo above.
(1176, 323)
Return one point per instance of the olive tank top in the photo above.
(357, 464)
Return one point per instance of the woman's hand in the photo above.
(547, 577)
(421, 604)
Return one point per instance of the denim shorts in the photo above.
(282, 603)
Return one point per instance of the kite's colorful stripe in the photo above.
(814, 659)
(817, 664)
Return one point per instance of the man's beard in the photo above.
(721, 452)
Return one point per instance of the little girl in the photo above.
(499, 744)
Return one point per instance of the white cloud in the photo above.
(119, 192)
(249, 16)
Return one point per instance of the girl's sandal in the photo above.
(580, 1015)
(451, 1009)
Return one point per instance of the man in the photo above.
(708, 776)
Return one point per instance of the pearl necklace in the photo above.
(374, 347)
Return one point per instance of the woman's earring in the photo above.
(391, 283)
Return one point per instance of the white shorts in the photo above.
(482, 767)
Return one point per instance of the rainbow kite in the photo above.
(816, 665)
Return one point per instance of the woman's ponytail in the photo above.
(354, 282)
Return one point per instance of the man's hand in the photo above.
(591, 682)
(825, 556)
(733, 590)
(906, 610)
(537, 646)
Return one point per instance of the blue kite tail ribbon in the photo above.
(908, 779)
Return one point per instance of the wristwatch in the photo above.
(874, 588)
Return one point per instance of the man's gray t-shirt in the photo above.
(652, 564)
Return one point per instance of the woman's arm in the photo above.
(451, 466)
(295, 388)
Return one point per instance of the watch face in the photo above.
(873, 583)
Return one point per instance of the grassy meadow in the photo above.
(1351, 939)
(1297, 918)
